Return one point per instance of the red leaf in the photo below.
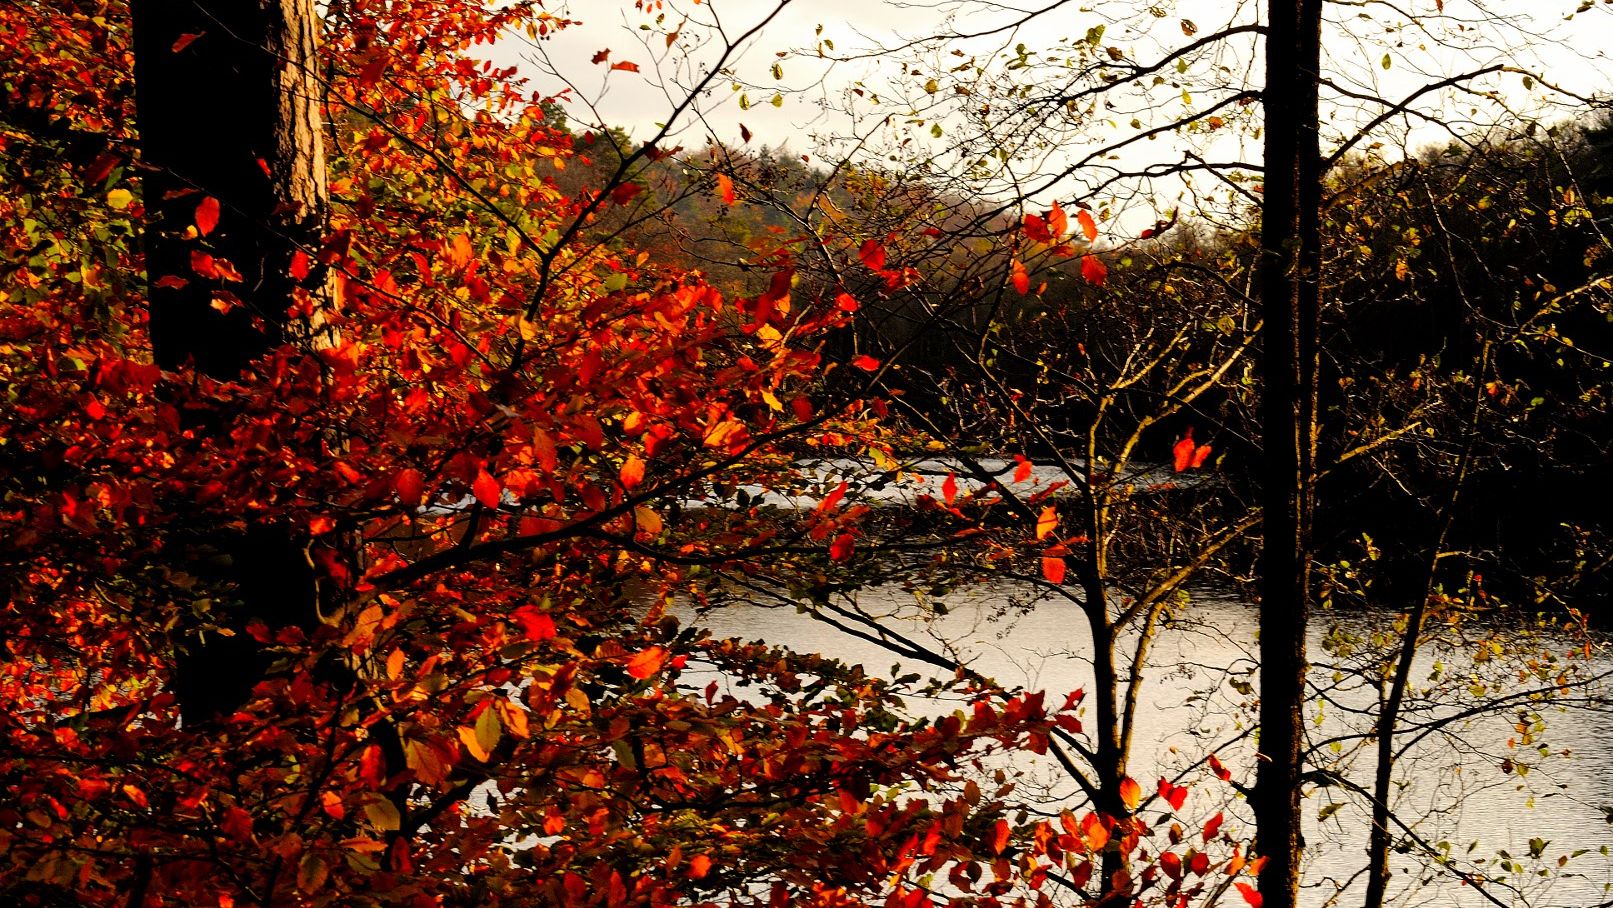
(1212, 826)
(949, 488)
(207, 215)
(625, 66)
(486, 489)
(1036, 228)
(185, 40)
(1021, 280)
(411, 487)
(624, 193)
(647, 663)
(1094, 271)
(1182, 453)
(1053, 570)
(1089, 227)
(872, 255)
(1058, 223)
(1171, 863)
(842, 547)
(1221, 772)
(866, 363)
(725, 188)
(846, 303)
(1250, 895)
(299, 265)
(535, 625)
(601, 57)
(1023, 471)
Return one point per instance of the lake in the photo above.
(1466, 792)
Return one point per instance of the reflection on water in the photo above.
(1476, 786)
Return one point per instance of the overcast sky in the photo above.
(1369, 47)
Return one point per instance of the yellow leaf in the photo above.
(119, 199)
(1131, 794)
(649, 522)
(467, 737)
(383, 814)
(394, 664)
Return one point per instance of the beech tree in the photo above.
(339, 564)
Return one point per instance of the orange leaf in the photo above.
(1047, 522)
(1250, 895)
(632, 472)
(1200, 455)
(699, 865)
(1053, 569)
(866, 363)
(1058, 223)
(625, 66)
(647, 663)
(1089, 227)
(725, 188)
(207, 215)
(1094, 271)
(999, 836)
(1131, 794)
(949, 488)
(486, 489)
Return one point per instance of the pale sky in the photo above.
(1370, 47)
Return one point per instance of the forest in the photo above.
(770, 452)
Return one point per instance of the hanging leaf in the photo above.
(872, 255)
(207, 215)
(1093, 270)
(1053, 570)
(1047, 522)
(1089, 227)
(647, 662)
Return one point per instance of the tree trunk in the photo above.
(227, 100)
(1290, 297)
(226, 97)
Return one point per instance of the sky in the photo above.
(819, 49)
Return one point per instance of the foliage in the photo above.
(493, 480)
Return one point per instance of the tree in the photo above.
(453, 520)
(1290, 288)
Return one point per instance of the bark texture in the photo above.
(227, 96)
(227, 99)
(1290, 299)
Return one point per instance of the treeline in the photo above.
(1466, 324)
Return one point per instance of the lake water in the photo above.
(1463, 792)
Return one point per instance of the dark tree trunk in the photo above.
(226, 96)
(232, 113)
(1290, 297)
